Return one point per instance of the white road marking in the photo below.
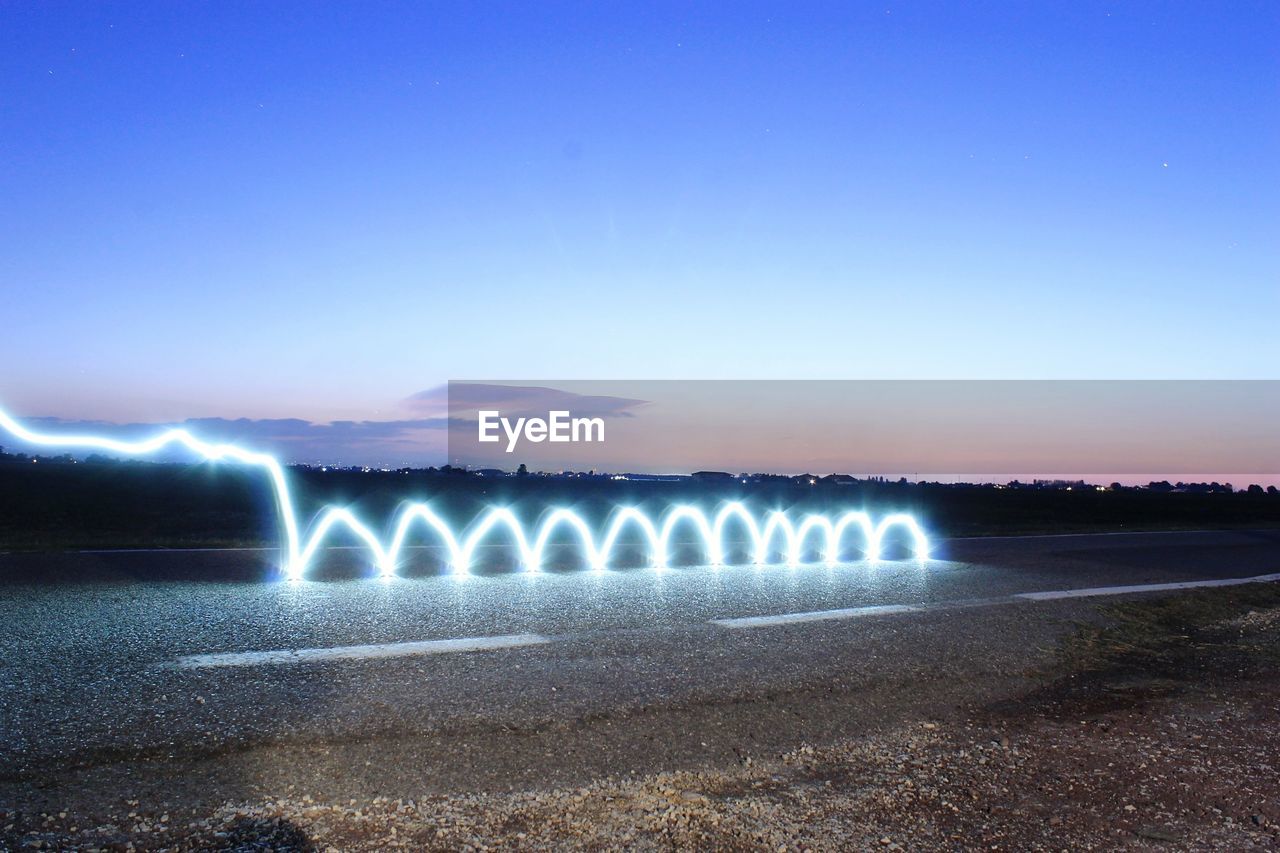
(814, 616)
(471, 644)
(383, 650)
(1084, 535)
(894, 609)
(1148, 587)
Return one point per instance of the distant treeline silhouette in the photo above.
(702, 477)
(58, 502)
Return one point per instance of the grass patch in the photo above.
(1178, 637)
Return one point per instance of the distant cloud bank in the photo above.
(460, 399)
(417, 441)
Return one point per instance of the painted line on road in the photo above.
(509, 641)
(815, 616)
(382, 650)
(897, 609)
(1086, 534)
(1149, 587)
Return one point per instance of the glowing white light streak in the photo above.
(300, 551)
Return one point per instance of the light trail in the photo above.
(300, 550)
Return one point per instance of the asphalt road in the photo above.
(148, 682)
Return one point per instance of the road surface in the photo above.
(232, 689)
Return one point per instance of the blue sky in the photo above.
(316, 211)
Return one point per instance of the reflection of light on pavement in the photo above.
(300, 550)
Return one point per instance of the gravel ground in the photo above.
(1156, 726)
(1174, 774)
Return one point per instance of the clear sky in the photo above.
(316, 211)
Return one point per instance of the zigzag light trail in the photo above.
(300, 551)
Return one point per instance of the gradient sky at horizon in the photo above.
(992, 431)
(316, 211)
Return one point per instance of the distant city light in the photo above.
(300, 551)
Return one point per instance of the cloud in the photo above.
(417, 441)
(465, 398)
